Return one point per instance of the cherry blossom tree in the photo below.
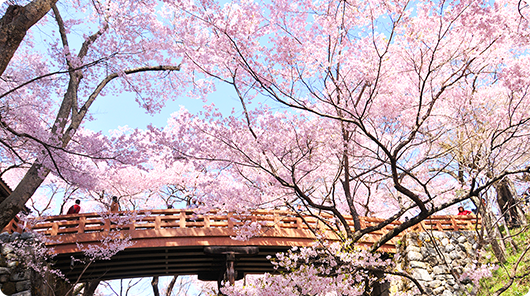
(124, 48)
(393, 109)
(14, 25)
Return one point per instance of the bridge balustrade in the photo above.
(174, 226)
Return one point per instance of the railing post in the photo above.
(55, 228)
(106, 227)
(206, 221)
(299, 223)
(230, 222)
(81, 225)
(276, 220)
(158, 221)
(455, 225)
(182, 219)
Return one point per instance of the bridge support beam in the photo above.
(230, 253)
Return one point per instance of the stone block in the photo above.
(4, 278)
(27, 235)
(462, 239)
(440, 269)
(438, 290)
(6, 249)
(24, 293)
(4, 270)
(9, 288)
(414, 256)
(23, 286)
(417, 264)
(421, 274)
(449, 248)
(447, 293)
(445, 241)
(439, 234)
(436, 284)
(14, 236)
(454, 255)
(413, 249)
(20, 276)
(4, 237)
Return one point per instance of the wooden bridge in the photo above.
(171, 242)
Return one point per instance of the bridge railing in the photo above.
(167, 219)
(175, 218)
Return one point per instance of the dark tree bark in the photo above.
(154, 284)
(492, 231)
(90, 288)
(511, 211)
(15, 23)
(171, 285)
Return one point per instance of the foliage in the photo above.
(501, 276)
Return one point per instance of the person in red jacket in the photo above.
(461, 211)
(75, 209)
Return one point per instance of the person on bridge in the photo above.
(75, 209)
(462, 211)
(115, 205)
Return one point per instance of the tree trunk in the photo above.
(492, 231)
(90, 288)
(171, 285)
(25, 189)
(15, 23)
(154, 284)
(509, 206)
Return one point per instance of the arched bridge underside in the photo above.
(184, 242)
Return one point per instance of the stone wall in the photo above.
(14, 280)
(437, 259)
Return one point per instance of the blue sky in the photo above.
(111, 112)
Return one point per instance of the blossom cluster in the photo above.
(322, 270)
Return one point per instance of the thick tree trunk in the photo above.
(492, 231)
(15, 23)
(510, 208)
(25, 189)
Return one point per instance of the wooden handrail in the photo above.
(174, 218)
(277, 227)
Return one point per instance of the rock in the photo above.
(449, 248)
(413, 249)
(4, 270)
(25, 293)
(14, 236)
(439, 269)
(414, 256)
(23, 286)
(462, 239)
(436, 284)
(27, 235)
(417, 264)
(4, 237)
(20, 276)
(445, 241)
(4, 278)
(12, 264)
(438, 290)
(6, 249)
(447, 293)
(421, 274)
(454, 255)
(9, 288)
